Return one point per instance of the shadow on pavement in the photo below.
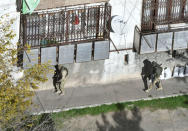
(120, 106)
(186, 95)
(186, 102)
(122, 122)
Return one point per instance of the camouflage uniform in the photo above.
(64, 72)
(157, 70)
(59, 78)
(147, 72)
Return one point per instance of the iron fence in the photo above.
(158, 14)
(67, 25)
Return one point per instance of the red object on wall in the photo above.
(76, 20)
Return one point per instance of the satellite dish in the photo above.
(118, 25)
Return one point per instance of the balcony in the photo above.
(66, 35)
(164, 26)
(65, 26)
(157, 41)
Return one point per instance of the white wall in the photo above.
(8, 11)
(9, 7)
(130, 11)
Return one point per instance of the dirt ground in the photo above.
(130, 120)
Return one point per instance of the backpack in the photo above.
(157, 69)
(64, 72)
(57, 75)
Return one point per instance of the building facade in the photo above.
(104, 41)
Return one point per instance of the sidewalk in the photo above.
(123, 91)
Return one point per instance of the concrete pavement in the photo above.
(93, 95)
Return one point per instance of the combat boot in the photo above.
(160, 86)
(148, 90)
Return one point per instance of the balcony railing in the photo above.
(157, 41)
(66, 25)
(158, 14)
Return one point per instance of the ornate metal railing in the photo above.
(158, 14)
(66, 25)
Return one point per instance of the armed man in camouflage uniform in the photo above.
(155, 77)
(59, 78)
(147, 71)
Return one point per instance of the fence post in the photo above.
(172, 49)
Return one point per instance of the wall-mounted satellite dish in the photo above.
(118, 25)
